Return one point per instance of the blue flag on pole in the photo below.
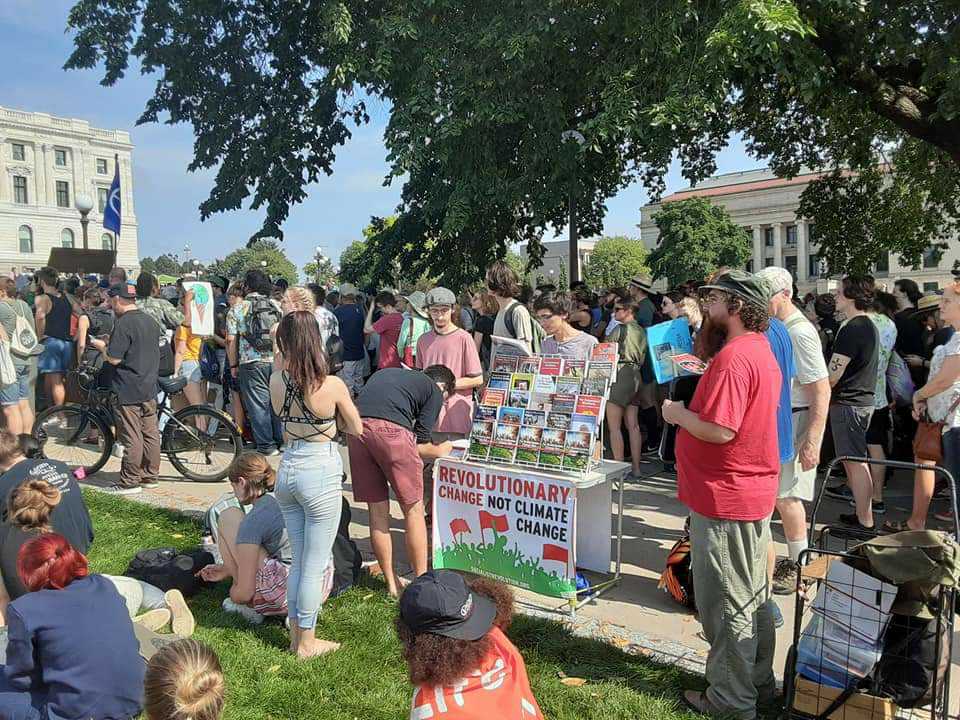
(111, 213)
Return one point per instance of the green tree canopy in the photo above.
(165, 264)
(696, 237)
(326, 276)
(614, 260)
(481, 94)
(239, 261)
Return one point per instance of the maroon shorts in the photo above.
(385, 457)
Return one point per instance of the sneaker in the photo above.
(154, 620)
(273, 452)
(182, 622)
(839, 492)
(785, 577)
(117, 451)
(851, 520)
(118, 489)
(879, 508)
(777, 615)
(247, 613)
(150, 484)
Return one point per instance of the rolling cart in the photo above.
(848, 649)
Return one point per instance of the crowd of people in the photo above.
(790, 383)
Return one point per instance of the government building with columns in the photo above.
(766, 207)
(46, 162)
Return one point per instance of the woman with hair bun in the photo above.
(29, 507)
(184, 681)
(71, 650)
(254, 546)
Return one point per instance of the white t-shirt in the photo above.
(807, 357)
(523, 324)
(939, 404)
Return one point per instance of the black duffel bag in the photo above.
(168, 568)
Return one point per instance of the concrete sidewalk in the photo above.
(634, 615)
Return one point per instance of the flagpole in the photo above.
(116, 235)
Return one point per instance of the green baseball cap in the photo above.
(746, 286)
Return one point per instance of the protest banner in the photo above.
(201, 308)
(510, 525)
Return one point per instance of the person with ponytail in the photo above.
(254, 547)
(71, 650)
(184, 681)
(29, 507)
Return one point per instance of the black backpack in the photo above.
(168, 568)
(261, 319)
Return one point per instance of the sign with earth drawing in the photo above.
(517, 527)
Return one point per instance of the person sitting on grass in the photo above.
(184, 681)
(460, 661)
(71, 650)
(254, 547)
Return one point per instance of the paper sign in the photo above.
(666, 340)
(201, 308)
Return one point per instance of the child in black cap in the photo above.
(462, 664)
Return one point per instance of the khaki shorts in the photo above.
(795, 482)
(646, 396)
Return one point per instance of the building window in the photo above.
(768, 236)
(749, 266)
(26, 239)
(59, 157)
(20, 189)
(66, 238)
(811, 233)
(931, 287)
(102, 195)
(931, 258)
(882, 266)
(19, 152)
(813, 269)
(768, 262)
(790, 263)
(63, 194)
(106, 241)
(101, 166)
(792, 235)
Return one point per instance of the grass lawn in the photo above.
(365, 679)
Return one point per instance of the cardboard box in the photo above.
(812, 699)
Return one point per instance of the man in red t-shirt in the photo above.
(728, 469)
(387, 327)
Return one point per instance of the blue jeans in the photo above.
(308, 491)
(951, 453)
(254, 380)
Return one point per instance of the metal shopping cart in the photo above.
(855, 655)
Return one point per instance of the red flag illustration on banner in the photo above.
(458, 526)
(555, 552)
(497, 522)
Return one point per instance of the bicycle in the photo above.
(199, 441)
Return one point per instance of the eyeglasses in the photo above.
(439, 309)
(543, 318)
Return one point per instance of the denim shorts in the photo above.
(56, 357)
(18, 390)
(190, 369)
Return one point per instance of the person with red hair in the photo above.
(71, 650)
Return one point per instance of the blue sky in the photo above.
(33, 48)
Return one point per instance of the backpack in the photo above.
(677, 577)
(262, 316)
(23, 342)
(538, 333)
(168, 569)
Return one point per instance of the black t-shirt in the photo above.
(909, 333)
(407, 398)
(70, 518)
(101, 326)
(11, 540)
(858, 340)
(136, 343)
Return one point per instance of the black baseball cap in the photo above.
(441, 602)
(127, 291)
(219, 280)
(746, 286)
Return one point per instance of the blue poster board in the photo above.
(665, 340)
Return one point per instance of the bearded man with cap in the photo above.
(728, 471)
(461, 663)
(134, 352)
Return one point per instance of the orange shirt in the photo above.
(499, 689)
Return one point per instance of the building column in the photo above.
(757, 248)
(778, 240)
(803, 251)
(6, 179)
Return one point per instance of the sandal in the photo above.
(896, 526)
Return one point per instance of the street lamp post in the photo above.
(574, 239)
(318, 258)
(84, 204)
(196, 268)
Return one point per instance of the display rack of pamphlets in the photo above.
(543, 411)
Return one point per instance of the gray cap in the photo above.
(417, 302)
(441, 296)
(348, 289)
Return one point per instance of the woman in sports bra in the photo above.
(313, 408)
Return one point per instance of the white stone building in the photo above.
(766, 206)
(46, 162)
(556, 252)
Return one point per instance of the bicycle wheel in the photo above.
(201, 443)
(75, 436)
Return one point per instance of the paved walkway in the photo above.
(635, 615)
